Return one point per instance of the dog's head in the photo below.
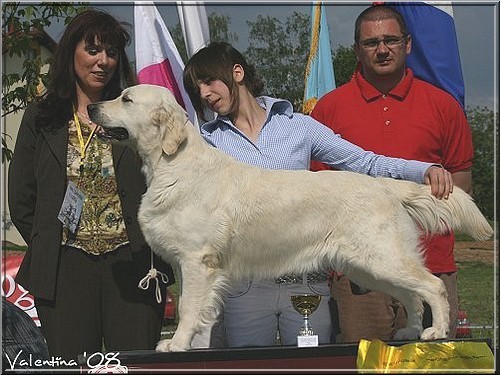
(141, 115)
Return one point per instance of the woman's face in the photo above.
(94, 66)
(216, 96)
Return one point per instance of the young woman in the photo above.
(265, 132)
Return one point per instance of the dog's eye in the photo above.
(126, 99)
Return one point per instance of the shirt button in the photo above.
(387, 122)
(386, 109)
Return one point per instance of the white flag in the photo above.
(194, 24)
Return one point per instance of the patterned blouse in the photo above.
(101, 228)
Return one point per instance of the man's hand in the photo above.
(441, 181)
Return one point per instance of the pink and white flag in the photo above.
(157, 60)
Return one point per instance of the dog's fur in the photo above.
(220, 220)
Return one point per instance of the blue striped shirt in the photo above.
(290, 140)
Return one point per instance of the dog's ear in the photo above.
(174, 128)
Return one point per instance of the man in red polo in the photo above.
(385, 109)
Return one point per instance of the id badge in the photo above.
(71, 208)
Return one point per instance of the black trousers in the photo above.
(98, 306)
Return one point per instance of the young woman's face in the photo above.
(216, 96)
(94, 66)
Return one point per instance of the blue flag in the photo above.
(435, 56)
(319, 75)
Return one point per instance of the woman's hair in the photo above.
(377, 13)
(216, 61)
(87, 25)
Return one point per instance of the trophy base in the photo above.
(307, 341)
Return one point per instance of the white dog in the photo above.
(220, 220)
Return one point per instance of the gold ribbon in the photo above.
(466, 356)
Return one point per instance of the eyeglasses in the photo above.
(389, 42)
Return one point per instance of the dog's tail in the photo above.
(458, 212)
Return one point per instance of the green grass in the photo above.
(459, 236)
(476, 282)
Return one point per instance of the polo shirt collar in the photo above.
(370, 93)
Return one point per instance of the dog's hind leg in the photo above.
(411, 288)
(432, 290)
(435, 294)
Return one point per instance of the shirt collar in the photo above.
(271, 105)
(370, 93)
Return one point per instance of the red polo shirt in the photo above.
(416, 120)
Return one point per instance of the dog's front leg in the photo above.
(199, 303)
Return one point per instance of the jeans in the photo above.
(255, 313)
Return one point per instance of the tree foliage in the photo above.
(484, 133)
(219, 29)
(344, 64)
(279, 50)
(21, 26)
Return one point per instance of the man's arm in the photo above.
(463, 179)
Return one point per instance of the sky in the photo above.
(476, 23)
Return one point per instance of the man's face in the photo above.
(382, 59)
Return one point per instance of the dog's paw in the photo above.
(169, 346)
(407, 333)
(163, 346)
(433, 333)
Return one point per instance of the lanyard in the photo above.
(83, 145)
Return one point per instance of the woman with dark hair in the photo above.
(265, 132)
(74, 199)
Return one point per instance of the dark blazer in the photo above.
(37, 184)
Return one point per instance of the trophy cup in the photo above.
(306, 304)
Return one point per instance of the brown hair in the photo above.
(376, 13)
(216, 61)
(87, 25)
